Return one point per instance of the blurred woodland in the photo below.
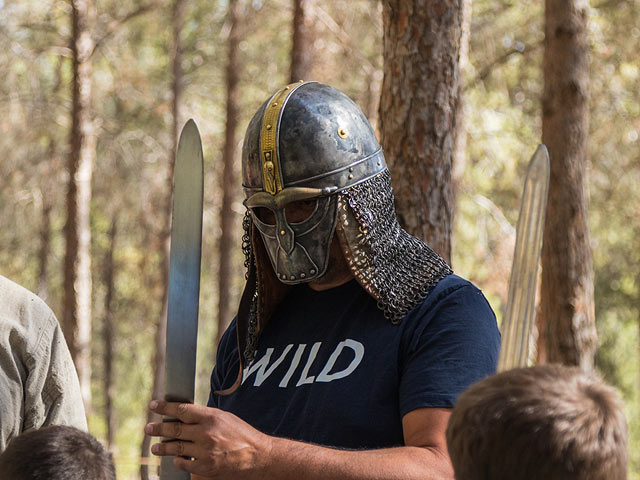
(95, 91)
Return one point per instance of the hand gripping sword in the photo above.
(184, 279)
(519, 314)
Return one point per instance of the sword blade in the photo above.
(184, 278)
(520, 311)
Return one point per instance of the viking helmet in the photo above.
(311, 143)
(305, 144)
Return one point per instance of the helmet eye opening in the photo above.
(295, 213)
(265, 215)
(300, 211)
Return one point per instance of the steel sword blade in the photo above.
(520, 311)
(184, 278)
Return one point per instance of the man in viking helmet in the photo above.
(353, 339)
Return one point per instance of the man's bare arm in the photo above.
(224, 446)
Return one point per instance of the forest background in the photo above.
(137, 49)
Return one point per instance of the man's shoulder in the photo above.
(456, 294)
(451, 284)
(23, 307)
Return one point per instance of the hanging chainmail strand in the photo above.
(398, 269)
(246, 242)
(252, 335)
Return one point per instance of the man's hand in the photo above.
(209, 441)
(214, 443)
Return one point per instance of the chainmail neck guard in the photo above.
(395, 268)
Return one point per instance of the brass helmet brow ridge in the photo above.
(271, 172)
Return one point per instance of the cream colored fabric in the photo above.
(38, 381)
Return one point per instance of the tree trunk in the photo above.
(417, 112)
(49, 187)
(567, 304)
(77, 278)
(301, 48)
(109, 335)
(45, 227)
(371, 102)
(460, 135)
(45, 248)
(178, 12)
(228, 178)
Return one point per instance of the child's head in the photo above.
(546, 422)
(56, 453)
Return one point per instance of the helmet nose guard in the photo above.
(308, 140)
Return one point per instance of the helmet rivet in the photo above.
(300, 81)
(286, 88)
(292, 277)
(312, 272)
(342, 133)
(350, 169)
(267, 155)
(269, 166)
(350, 176)
(282, 232)
(275, 104)
(268, 127)
(302, 275)
(379, 163)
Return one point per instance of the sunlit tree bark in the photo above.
(109, 335)
(45, 226)
(417, 112)
(302, 40)
(460, 139)
(567, 304)
(76, 319)
(228, 180)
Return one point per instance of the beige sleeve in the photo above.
(52, 390)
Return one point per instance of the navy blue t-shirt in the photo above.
(331, 370)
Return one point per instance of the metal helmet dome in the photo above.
(307, 142)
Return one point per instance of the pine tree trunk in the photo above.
(417, 112)
(45, 227)
(567, 304)
(460, 140)
(228, 178)
(109, 335)
(45, 248)
(178, 12)
(371, 102)
(77, 279)
(49, 188)
(302, 39)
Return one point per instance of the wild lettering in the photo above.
(294, 358)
